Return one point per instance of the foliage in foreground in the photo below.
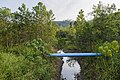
(106, 67)
(109, 65)
(26, 62)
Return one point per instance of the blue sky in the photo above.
(63, 9)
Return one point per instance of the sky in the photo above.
(63, 9)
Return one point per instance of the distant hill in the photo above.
(63, 23)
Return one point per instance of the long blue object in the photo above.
(75, 54)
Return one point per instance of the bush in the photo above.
(106, 67)
(26, 62)
(12, 67)
(109, 65)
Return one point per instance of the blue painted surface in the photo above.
(75, 54)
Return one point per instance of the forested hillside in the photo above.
(64, 23)
(27, 37)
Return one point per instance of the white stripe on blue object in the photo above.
(75, 54)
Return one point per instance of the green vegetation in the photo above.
(26, 39)
(27, 61)
(28, 36)
(105, 67)
(66, 38)
(101, 34)
(109, 66)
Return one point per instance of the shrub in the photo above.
(26, 62)
(106, 67)
(109, 64)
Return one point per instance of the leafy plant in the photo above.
(109, 49)
(29, 62)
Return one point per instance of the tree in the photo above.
(24, 25)
(5, 26)
(83, 33)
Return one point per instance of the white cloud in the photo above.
(68, 9)
(63, 9)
